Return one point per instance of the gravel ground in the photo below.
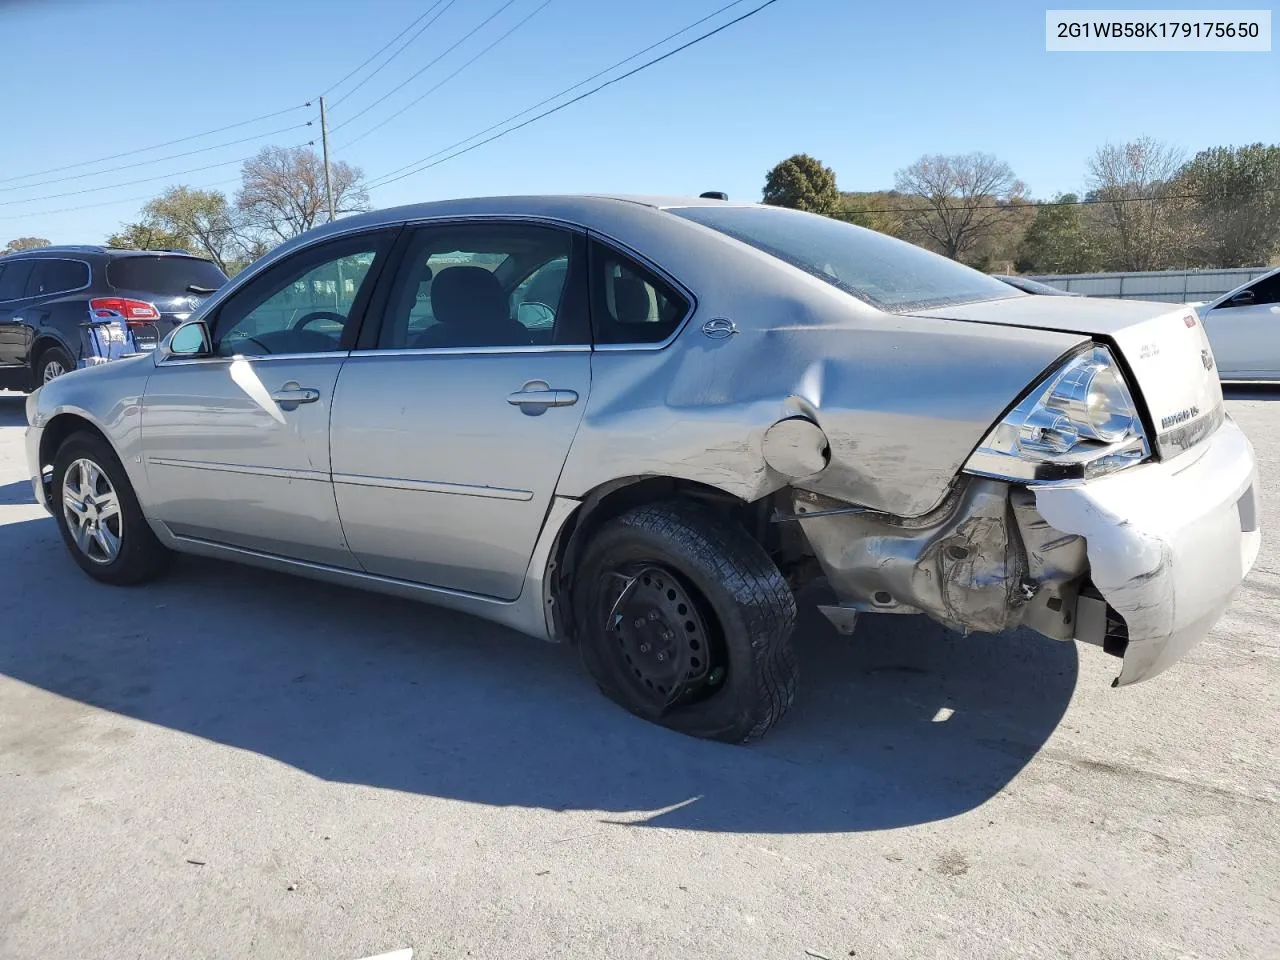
(238, 764)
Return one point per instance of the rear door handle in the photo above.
(543, 398)
(292, 393)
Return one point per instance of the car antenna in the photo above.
(714, 195)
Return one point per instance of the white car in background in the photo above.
(1243, 326)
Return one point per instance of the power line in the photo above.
(406, 46)
(529, 16)
(379, 51)
(130, 183)
(208, 133)
(557, 96)
(105, 203)
(396, 89)
(568, 103)
(157, 146)
(144, 163)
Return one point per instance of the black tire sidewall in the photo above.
(52, 353)
(141, 554)
(702, 554)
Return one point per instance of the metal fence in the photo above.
(1173, 286)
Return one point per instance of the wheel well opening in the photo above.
(613, 499)
(42, 346)
(56, 432)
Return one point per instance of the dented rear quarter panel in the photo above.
(903, 400)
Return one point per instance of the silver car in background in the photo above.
(640, 425)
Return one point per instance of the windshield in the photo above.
(164, 276)
(885, 272)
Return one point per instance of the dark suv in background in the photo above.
(63, 307)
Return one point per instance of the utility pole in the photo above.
(328, 178)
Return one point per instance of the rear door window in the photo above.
(49, 277)
(165, 276)
(630, 304)
(13, 279)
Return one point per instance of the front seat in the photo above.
(470, 310)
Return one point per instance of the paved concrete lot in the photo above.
(236, 764)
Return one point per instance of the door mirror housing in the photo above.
(190, 340)
(1243, 298)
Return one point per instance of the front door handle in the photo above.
(293, 394)
(543, 398)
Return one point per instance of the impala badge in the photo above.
(719, 328)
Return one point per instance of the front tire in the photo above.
(99, 517)
(685, 621)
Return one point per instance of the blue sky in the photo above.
(865, 87)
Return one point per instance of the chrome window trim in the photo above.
(631, 253)
(57, 293)
(465, 351)
(178, 360)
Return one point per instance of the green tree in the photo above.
(803, 183)
(1236, 205)
(145, 236)
(204, 218)
(1058, 240)
(23, 243)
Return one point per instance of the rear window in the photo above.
(885, 272)
(164, 276)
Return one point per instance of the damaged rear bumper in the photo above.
(1165, 544)
(1168, 544)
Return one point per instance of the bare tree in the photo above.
(1143, 223)
(282, 192)
(962, 201)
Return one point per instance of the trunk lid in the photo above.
(1171, 369)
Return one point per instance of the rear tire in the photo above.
(735, 674)
(99, 516)
(52, 363)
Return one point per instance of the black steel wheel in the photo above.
(661, 634)
(684, 620)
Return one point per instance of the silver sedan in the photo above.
(639, 425)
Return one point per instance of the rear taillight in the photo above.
(136, 313)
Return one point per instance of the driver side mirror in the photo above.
(1242, 298)
(191, 340)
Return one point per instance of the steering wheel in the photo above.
(320, 315)
(534, 314)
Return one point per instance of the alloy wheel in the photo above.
(91, 507)
(53, 369)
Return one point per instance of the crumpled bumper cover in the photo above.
(1168, 543)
